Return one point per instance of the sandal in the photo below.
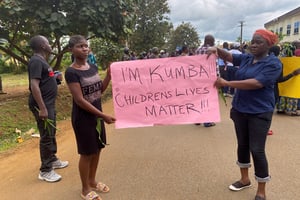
(259, 198)
(295, 113)
(101, 187)
(91, 196)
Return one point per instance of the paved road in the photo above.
(184, 162)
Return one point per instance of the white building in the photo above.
(286, 25)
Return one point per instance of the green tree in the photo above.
(280, 36)
(21, 19)
(152, 25)
(105, 51)
(184, 34)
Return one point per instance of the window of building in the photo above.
(296, 28)
(288, 29)
(280, 30)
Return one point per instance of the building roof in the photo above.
(284, 16)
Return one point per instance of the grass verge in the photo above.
(15, 115)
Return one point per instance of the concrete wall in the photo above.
(282, 22)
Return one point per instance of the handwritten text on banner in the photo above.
(164, 91)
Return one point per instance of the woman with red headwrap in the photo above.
(252, 106)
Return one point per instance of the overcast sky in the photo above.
(222, 18)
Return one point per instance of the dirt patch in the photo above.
(14, 92)
(15, 113)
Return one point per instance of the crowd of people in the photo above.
(250, 77)
(284, 105)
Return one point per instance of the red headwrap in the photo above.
(271, 37)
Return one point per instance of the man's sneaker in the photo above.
(51, 176)
(58, 164)
(237, 186)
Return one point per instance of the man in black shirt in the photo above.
(43, 92)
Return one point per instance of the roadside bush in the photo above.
(4, 68)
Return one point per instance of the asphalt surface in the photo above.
(182, 162)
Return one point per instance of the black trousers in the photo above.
(48, 146)
(251, 132)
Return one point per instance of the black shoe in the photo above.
(237, 186)
(209, 124)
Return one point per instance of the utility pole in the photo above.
(241, 35)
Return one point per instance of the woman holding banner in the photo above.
(87, 116)
(252, 106)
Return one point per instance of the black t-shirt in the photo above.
(90, 83)
(38, 68)
(85, 123)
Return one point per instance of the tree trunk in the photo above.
(1, 91)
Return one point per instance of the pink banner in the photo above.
(164, 91)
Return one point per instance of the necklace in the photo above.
(81, 67)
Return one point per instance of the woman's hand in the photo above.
(108, 71)
(296, 72)
(211, 50)
(109, 119)
(220, 82)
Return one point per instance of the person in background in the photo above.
(297, 53)
(276, 51)
(184, 51)
(143, 55)
(162, 54)
(209, 41)
(231, 69)
(297, 47)
(287, 105)
(126, 54)
(43, 91)
(133, 55)
(91, 58)
(88, 119)
(154, 53)
(252, 106)
(223, 69)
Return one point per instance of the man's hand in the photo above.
(43, 113)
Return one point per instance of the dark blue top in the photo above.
(266, 71)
